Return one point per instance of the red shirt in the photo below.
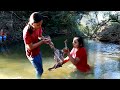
(31, 38)
(82, 55)
(2, 33)
(82, 64)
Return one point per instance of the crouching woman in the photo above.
(78, 55)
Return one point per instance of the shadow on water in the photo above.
(102, 57)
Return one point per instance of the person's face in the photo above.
(37, 25)
(75, 42)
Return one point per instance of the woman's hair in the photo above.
(34, 18)
(81, 41)
(30, 29)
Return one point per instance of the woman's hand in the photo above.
(46, 41)
(66, 51)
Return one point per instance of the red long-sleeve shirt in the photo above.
(31, 38)
(82, 55)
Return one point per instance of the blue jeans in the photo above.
(37, 63)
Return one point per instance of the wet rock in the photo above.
(109, 33)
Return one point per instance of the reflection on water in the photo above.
(103, 58)
(106, 59)
(107, 67)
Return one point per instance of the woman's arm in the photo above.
(66, 60)
(32, 46)
(74, 61)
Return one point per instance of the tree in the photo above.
(94, 24)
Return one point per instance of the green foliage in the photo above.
(64, 22)
(113, 18)
(85, 29)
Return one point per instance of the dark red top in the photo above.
(31, 38)
(82, 64)
(2, 33)
(82, 55)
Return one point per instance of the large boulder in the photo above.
(109, 33)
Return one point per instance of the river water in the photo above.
(104, 58)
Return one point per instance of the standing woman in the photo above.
(31, 33)
(2, 34)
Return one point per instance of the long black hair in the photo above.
(34, 18)
(81, 41)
